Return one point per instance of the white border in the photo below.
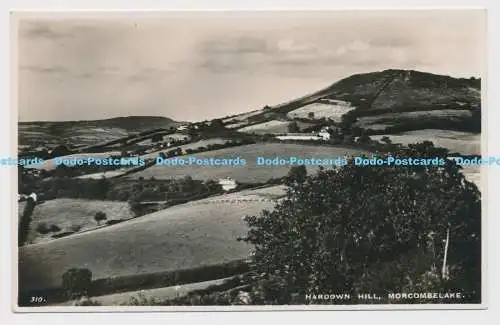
(491, 146)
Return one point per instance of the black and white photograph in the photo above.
(254, 159)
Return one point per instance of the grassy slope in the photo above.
(148, 295)
(87, 132)
(251, 172)
(326, 110)
(51, 163)
(401, 117)
(184, 236)
(386, 91)
(66, 213)
(462, 142)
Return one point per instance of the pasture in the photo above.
(251, 172)
(393, 118)
(326, 110)
(51, 163)
(273, 126)
(72, 214)
(181, 237)
(463, 142)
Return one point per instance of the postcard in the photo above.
(249, 160)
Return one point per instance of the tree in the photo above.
(310, 115)
(212, 186)
(100, 216)
(364, 139)
(157, 138)
(101, 188)
(358, 229)
(216, 123)
(296, 174)
(60, 150)
(293, 127)
(76, 282)
(348, 139)
(25, 220)
(42, 228)
(385, 139)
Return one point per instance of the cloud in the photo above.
(237, 45)
(155, 66)
(41, 31)
(398, 41)
(358, 46)
(44, 70)
(150, 75)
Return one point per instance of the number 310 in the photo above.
(37, 299)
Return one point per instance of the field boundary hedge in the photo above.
(136, 282)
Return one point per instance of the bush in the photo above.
(86, 301)
(296, 174)
(54, 228)
(42, 228)
(75, 227)
(76, 282)
(377, 229)
(100, 216)
(386, 140)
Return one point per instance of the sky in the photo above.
(198, 66)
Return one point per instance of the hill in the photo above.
(87, 132)
(385, 96)
(406, 90)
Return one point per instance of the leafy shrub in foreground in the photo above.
(76, 282)
(372, 229)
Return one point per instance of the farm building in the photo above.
(322, 135)
(227, 183)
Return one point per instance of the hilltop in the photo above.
(404, 90)
(388, 101)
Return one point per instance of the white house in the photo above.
(182, 127)
(322, 135)
(227, 183)
(33, 196)
(299, 136)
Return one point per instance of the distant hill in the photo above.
(88, 132)
(404, 90)
(391, 100)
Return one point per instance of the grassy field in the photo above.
(462, 142)
(273, 126)
(393, 118)
(184, 147)
(50, 134)
(242, 116)
(250, 173)
(181, 237)
(333, 111)
(71, 214)
(236, 125)
(150, 295)
(51, 163)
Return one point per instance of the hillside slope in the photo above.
(90, 132)
(406, 90)
(389, 91)
(190, 235)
